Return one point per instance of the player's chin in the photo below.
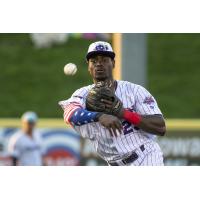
(100, 78)
(99, 75)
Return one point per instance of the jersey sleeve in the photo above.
(14, 147)
(76, 101)
(145, 103)
(77, 98)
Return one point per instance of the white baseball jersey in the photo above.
(135, 98)
(26, 149)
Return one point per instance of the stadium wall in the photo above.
(181, 145)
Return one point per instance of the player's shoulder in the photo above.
(78, 96)
(83, 91)
(132, 87)
(16, 136)
(142, 89)
(37, 135)
(123, 83)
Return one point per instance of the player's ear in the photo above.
(88, 65)
(113, 61)
(89, 70)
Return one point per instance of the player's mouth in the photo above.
(99, 70)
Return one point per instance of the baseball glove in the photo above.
(103, 91)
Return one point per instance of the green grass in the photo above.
(174, 71)
(33, 79)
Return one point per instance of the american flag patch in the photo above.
(69, 110)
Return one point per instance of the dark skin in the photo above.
(100, 68)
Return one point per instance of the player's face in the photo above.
(100, 67)
(28, 126)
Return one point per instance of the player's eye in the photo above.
(105, 59)
(93, 61)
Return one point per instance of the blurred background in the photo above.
(32, 78)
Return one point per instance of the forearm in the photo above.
(81, 116)
(154, 124)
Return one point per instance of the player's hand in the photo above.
(112, 123)
(109, 105)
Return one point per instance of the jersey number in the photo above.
(127, 128)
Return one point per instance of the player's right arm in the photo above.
(75, 113)
(14, 149)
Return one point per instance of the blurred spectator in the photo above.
(92, 36)
(100, 36)
(25, 145)
(46, 40)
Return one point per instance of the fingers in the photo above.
(119, 126)
(111, 132)
(108, 102)
(118, 133)
(112, 123)
(114, 132)
(115, 129)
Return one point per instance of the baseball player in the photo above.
(25, 145)
(125, 133)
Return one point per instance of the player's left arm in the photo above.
(147, 115)
(154, 124)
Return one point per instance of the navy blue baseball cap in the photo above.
(100, 48)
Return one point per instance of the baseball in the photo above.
(70, 69)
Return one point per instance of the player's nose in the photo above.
(99, 63)
(99, 66)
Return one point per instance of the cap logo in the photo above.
(101, 47)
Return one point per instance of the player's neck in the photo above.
(28, 132)
(111, 82)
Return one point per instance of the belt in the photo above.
(133, 157)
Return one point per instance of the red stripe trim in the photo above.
(70, 116)
(66, 119)
(71, 105)
(68, 113)
(69, 110)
